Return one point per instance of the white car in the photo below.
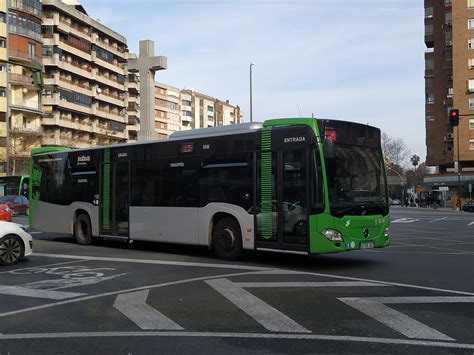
(15, 243)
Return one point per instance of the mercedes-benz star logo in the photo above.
(366, 232)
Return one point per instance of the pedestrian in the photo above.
(406, 201)
(417, 202)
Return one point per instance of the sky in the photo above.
(359, 61)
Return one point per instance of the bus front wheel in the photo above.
(227, 239)
(83, 230)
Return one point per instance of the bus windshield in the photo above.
(356, 181)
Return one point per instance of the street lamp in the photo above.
(401, 182)
(251, 113)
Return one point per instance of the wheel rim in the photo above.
(10, 250)
(227, 239)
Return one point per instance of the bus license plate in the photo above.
(366, 245)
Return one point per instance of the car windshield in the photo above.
(356, 181)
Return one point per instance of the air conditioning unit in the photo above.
(449, 43)
(450, 135)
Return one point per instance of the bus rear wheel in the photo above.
(83, 230)
(227, 239)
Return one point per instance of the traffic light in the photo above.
(454, 117)
(37, 78)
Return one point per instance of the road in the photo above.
(415, 296)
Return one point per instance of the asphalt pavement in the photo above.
(415, 296)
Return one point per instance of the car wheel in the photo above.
(227, 239)
(11, 249)
(83, 230)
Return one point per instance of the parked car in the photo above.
(19, 204)
(15, 243)
(396, 202)
(6, 213)
(468, 206)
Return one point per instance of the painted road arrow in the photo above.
(133, 305)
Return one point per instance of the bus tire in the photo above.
(227, 239)
(83, 229)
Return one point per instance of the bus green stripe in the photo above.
(106, 191)
(266, 184)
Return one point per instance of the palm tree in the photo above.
(415, 159)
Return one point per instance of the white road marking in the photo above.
(438, 219)
(308, 284)
(269, 317)
(421, 299)
(405, 220)
(87, 298)
(35, 293)
(258, 269)
(133, 305)
(320, 337)
(39, 266)
(471, 224)
(394, 319)
(155, 262)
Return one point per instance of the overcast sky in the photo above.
(351, 60)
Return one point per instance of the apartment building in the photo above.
(199, 110)
(133, 104)
(3, 87)
(86, 79)
(449, 83)
(167, 112)
(23, 117)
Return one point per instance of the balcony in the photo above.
(108, 114)
(78, 69)
(26, 129)
(114, 50)
(77, 48)
(186, 118)
(133, 86)
(67, 122)
(23, 55)
(26, 108)
(110, 82)
(20, 79)
(22, 6)
(111, 98)
(56, 101)
(115, 67)
(75, 29)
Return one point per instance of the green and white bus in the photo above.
(296, 185)
(14, 185)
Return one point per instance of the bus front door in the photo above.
(115, 201)
(282, 216)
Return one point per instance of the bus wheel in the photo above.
(83, 230)
(227, 239)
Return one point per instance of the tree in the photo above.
(395, 150)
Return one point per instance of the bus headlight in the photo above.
(386, 233)
(333, 235)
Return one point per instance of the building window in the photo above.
(471, 104)
(470, 63)
(3, 42)
(429, 64)
(471, 124)
(428, 29)
(3, 68)
(447, 2)
(186, 103)
(428, 82)
(470, 85)
(470, 43)
(470, 4)
(430, 118)
(448, 17)
(471, 144)
(429, 12)
(3, 17)
(3, 91)
(429, 99)
(31, 50)
(448, 54)
(210, 108)
(470, 24)
(450, 92)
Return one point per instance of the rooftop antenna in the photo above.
(298, 110)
